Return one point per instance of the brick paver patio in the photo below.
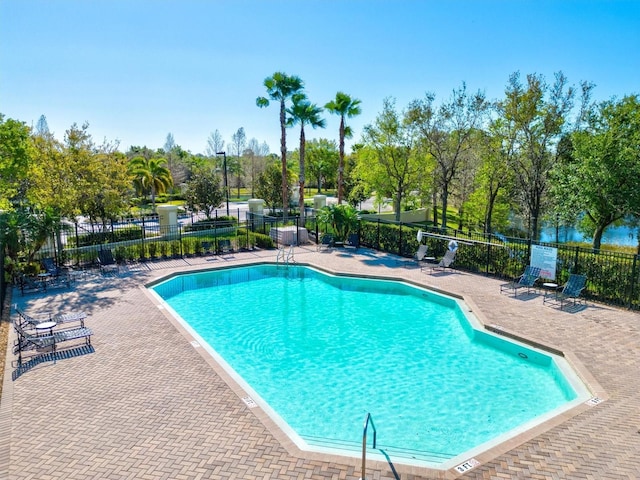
(146, 404)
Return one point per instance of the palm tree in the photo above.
(342, 218)
(151, 174)
(303, 112)
(280, 87)
(348, 107)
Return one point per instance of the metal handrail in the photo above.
(367, 420)
(286, 256)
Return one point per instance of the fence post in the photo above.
(180, 239)
(378, 235)
(297, 230)
(488, 262)
(77, 245)
(400, 241)
(634, 277)
(3, 286)
(142, 238)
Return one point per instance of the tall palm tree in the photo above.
(280, 87)
(151, 174)
(303, 112)
(346, 107)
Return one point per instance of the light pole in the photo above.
(226, 183)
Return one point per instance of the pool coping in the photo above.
(452, 468)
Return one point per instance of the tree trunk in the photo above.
(488, 219)
(301, 180)
(434, 202)
(535, 226)
(597, 236)
(397, 202)
(283, 156)
(445, 203)
(341, 161)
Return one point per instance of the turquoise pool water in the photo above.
(323, 351)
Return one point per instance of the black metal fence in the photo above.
(612, 277)
(3, 284)
(145, 239)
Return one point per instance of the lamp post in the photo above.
(226, 183)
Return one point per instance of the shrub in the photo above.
(262, 241)
(120, 254)
(189, 245)
(220, 222)
(176, 248)
(197, 246)
(119, 235)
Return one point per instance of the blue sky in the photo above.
(139, 69)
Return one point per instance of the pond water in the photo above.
(622, 235)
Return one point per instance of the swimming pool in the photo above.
(318, 352)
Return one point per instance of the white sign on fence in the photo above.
(545, 258)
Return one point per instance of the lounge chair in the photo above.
(326, 241)
(421, 255)
(56, 276)
(445, 262)
(224, 246)
(50, 267)
(32, 340)
(526, 280)
(27, 284)
(31, 321)
(107, 262)
(353, 240)
(570, 292)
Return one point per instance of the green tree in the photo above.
(494, 181)
(203, 192)
(533, 118)
(268, 186)
(445, 134)
(110, 185)
(15, 156)
(342, 218)
(256, 153)
(24, 232)
(346, 107)
(601, 176)
(77, 177)
(356, 190)
(238, 144)
(177, 160)
(151, 175)
(322, 159)
(389, 162)
(302, 113)
(280, 87)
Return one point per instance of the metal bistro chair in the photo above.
(571, 291)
